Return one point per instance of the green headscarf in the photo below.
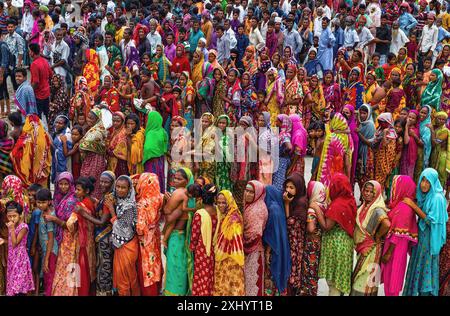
(432, 94)
(156, 138)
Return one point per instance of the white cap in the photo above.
(278, 20)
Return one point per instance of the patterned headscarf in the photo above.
(124, 228)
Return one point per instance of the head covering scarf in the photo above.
(317, 194)
(255, 218)
(64, 203)
(365, 230)
(299, 205)
(433, 203)
(276, 236)
(367, 129)
(386, 117)
(402, 217)
(84, 40)
(411, 156)
(432, 93)
(230, 238)
(137, 28)
(124, 227)
(156, 138)
(425, 136)
(31, 155)
(119, 140)
(250, 64)
(299, 134)
(95, 137)
(342, 208)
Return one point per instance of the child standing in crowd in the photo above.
(33, 235)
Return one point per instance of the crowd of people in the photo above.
(160, 147)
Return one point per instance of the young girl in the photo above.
(19, 275)
(422, 277)
(74, 152)
(47, 241)
(399, 126)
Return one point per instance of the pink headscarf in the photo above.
(299, 134)
(255, 219)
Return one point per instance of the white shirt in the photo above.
(398, 41)
(154, 39)
(376, 15)
(350, 37)
(364, 37)
(27, 23)
(429, 38)
(64, 51)
(231, 36)
(255, 37)
(318, 26)
(326, 11)
(286, 6)
(264, 27)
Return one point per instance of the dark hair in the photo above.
(384, 16)
(428, 59)
(35, 48)
(402, 123)
(135, 118)
(15, 118)
(13, 205)
(195, 190)
(439, 62)
(34, 187)
(236, 11)
(183, 174)
(11, 21)
(391, 56)
(271, 23)
(86, 183)
(43, 194)
(219, 27)
(99, 37)
(209, 194)
(22, 71)
(79, 129)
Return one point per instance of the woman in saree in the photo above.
(232, 97)
(296, 207)
(59, 100)
(293, 91)
(311, 255)
(422, 277)
(366, 131)
(337, 151)
(114, 55)
(372, 225)
(384, 145)
(424, 142)
(354, 92)
(180, 63)
(229, 277)
(118, 146)
(267, 148)
(371, 88)
(6, 146)
(31, 156)
(82, 101)
(275, 94)
(205, 89)
(245, 166)
(180, 145)
(332, 91)
(312, 64)
(412, 91)
(91, 71)
(162, 63)
(264, 64)
(93, 148)
(337, 223)
(199, 64)
(411, 141)
(275, 237)
(249, 60)
(403, 60)
(212, 59)
(149, 204)
(203, 237)
(206, 148)
(220, 90)
(299, 140)
(440, 158)
(248, 96)
(67, 239)
(341, 67)
(155, 147)
(285, 149)
(432, 94)
(255, 219)
(187, 96)
(317, 101)
(135, 135)
(279, 65)
(122, 205)
(349, 113)
(224, 162)
(402, 236)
